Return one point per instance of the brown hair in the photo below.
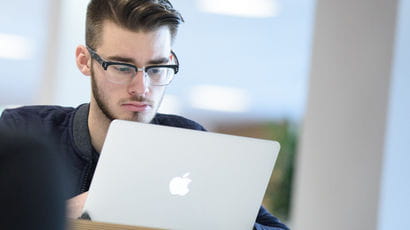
(135, 15)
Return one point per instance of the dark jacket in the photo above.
(68, 128)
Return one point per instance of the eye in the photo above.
(122, 69)
(155, 71)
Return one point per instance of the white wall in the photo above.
(339, 169)
(70, 87)
(23, 40)
(394, 212)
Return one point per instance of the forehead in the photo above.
(116, 40)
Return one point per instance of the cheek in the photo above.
(111, 89)
(156, 92)
(111, 93)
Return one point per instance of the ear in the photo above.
(171, 57)
(83, 60)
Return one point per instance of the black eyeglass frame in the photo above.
(105, 64)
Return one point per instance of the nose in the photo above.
(139, 84)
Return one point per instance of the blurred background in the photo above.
(287, 70)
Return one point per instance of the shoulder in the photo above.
(176, 121)
(27, 116)
(37, 112)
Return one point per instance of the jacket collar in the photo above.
(81, 134)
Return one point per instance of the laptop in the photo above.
(173, 178)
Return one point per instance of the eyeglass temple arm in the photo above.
(176, 61)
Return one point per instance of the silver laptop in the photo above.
(173, 178)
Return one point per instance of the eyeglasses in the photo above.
(123, 73)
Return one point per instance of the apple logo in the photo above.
(179, 185)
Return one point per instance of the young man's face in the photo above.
(136, 101)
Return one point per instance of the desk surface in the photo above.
(90, 225)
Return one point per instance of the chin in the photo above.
(139, 117)
(146, 118)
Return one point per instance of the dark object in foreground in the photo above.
(31, 184)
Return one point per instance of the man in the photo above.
(129, 58)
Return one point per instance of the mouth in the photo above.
(136, 106)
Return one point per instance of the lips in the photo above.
(135, 106)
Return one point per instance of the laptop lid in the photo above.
(174, 178)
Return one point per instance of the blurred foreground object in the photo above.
(31, 184)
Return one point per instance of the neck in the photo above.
(98, 125)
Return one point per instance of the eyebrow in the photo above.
(131, 60)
